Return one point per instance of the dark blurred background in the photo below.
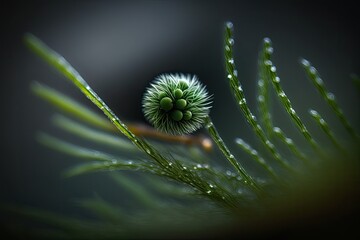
(120, 46)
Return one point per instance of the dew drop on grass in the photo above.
(231, 41)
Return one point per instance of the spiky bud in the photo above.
(176, 104)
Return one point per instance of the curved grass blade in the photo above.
(71, 106)
(329, 97)
(271, 71)
(325, 127)
(256, 156)
(240, 97)
(97, 136)
(289, 143)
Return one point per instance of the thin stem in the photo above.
(256, 156)
(325, 127)
(329, 97)
(289, 143)
(247, 179)
(240, 97)
(263, 98)
(271, 71)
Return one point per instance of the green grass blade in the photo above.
(256, 156)
(240, 97)
(263, 98)
(326, 129)
(141, 194)
(329, 97)
(271, 71)
(93, 135)
(290, 144)
(247, 179)
(103, 210)
(71, 106)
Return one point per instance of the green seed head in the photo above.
(176, 104)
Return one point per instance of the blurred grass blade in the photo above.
(74, 150)
(93, 135)
(141, 194)
(103, 209)
(71, 106)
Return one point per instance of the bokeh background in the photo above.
(120, 46)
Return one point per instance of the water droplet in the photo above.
(273, 69)
(276, 129)
(184, 168)
(254, 152)
(240, 89)
(211, 186)
(235, 73)
(253, 117)
(260, 83)
(289, 141)
(209, 125)
(229, 25)
(231, 41)
(268, 63)
(228, 172)
(229, 76)
(312, 70)
(292, 111)
(227, 48)
(206, 166)
(245, 181)
(267, 40)
(148, 151)
(130, 162)
(88, 87)
(322, 121)
(195, 168)
(305, 62)
(330, 96)
(319, 81)
(313, 112)
(261, 98)
(113, 119)
(208, 191)
(242, 101)
(269, 50)
(261, 160)
(231, 61)
(198, 165)
(282, 94)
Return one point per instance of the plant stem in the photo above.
(247, 179)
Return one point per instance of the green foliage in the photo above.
(202, 193)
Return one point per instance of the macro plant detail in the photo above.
(176, 104)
